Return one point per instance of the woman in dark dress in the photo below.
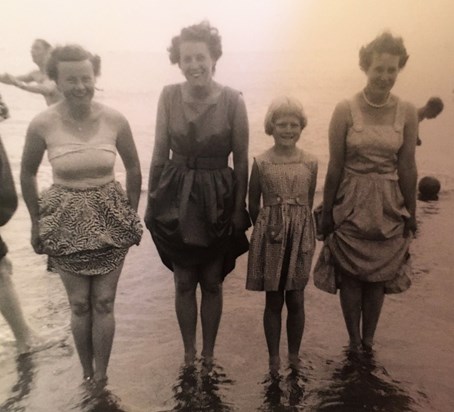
(196, 205)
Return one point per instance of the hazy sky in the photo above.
(148, 25)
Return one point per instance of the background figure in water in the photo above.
(369, 200)
(430, 110)
(196, 203)
(283, 240)
(36, 81)
(10, 306)
(84, 222)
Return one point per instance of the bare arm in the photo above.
(255, 193)
(313, 184)
(128, 153)
(46, 88)
(337, 137)
(161, 148)
(32, 156)
(240, 145)
(8, 78)
(406, 167)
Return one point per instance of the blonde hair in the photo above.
(284, 106)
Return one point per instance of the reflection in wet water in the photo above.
(97, 398)
(284, 393)
(199, 388)
(25, 374)
(360, 384)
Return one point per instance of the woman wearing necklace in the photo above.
(196, 205)
(369, 201)
(84, 222)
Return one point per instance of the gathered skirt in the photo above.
(191, 218)
(87, 231)
(367, 243)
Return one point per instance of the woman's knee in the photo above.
(295, 300)
(185, 281)
(274, 301)
(213, 287)
(79, 307)
(103, 305)
(6, 269)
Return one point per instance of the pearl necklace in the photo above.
(375, 105)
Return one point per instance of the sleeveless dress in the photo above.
(193, 203)
(369, 210)
(283, 239)
(87, 230)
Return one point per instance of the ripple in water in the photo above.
(200, 387)
(359, 383)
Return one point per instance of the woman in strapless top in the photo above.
(84, 222)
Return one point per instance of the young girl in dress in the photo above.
(283, 239)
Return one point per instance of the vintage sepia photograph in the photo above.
(232, 205)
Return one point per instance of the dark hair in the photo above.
(44, 43)
(202, 32)
(435, 104)
(385, 43)
(71, 53)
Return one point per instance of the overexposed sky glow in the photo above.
(148, 25)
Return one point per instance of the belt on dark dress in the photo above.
(194, 162)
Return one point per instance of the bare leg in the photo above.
(78, 290)
(104, 288)
(373, 297)
(351, 300)
(10, 308)
(272, 325)
(186, 308)
(211, 305)
(295, 324)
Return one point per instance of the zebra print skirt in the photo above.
(87, 231)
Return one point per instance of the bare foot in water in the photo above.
(354, 347)
(189, 358)
(34, 343)
(367, 344)
(207, 364)
(274, 364)
(295, 362)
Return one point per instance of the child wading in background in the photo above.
(283, 239)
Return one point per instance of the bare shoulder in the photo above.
(343, 108)
(264, 156)
(45, 120)
(111, 115)
(309, 158)
(411, 111)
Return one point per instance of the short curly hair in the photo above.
(284, 106)
(71, 53)
(384, 43)
(202, 32)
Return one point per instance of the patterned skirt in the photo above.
(87, 231)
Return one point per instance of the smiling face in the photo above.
(76, 81)
(286, 130)
(196, 63)
(382, 73)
